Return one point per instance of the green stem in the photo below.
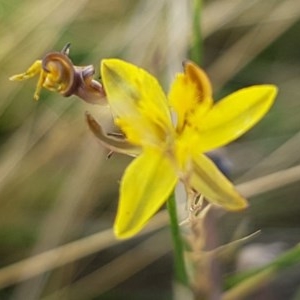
(180, 269)
(196, 56)
(196, 47)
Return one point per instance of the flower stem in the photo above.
(180, 269)
(196, 47)
(196, 56)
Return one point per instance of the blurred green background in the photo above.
(56, 183)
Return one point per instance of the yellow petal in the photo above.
(233, 116)
(33, 70)
(213, 185)
(190, 90)
(145, 186)
(197, 75)
(137, 101)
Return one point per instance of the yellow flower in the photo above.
(169, 150)
(166, 150)
(57, 73)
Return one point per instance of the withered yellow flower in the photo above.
(170, 151)
(57, 73)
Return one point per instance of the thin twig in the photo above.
(70, 252)
(111, 274)
(269, 182)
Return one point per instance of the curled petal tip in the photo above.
(18, 77)
(13, 78)
(36, 97)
